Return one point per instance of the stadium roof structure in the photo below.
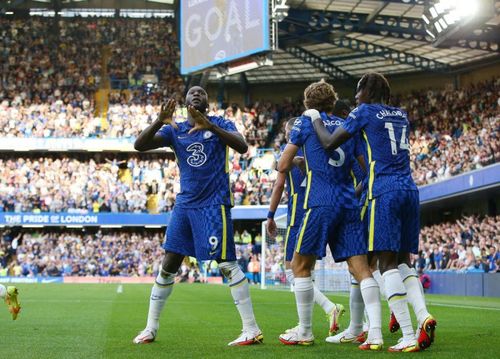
(342, 39)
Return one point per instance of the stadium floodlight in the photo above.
(433, 12)
(430, 34)
(280, 10)
(443, 23)
(244, 65)
(438, 27)
(448, 20)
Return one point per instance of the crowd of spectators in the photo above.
(442, 146)
(80, 254)
(45, 61)
(445, 141)
(471, 243)
(69, 184)
(146, 65)
(50, 71)
(453, 131)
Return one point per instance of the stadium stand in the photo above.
(469, 244)
(109, 87)
(462, 137)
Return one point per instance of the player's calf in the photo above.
(238, 283)
(159, 294)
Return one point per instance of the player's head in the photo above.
(198, 98)
(341, 108)
(373, 88)
(320, 96)
(288, 127)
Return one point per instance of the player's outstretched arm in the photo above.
(285, 163)
(149, 139)
(278, 187)
(330, 141)
(231, 138)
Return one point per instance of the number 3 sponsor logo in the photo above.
(198, 157)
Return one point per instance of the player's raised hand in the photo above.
(167, 112)
(271, 228)
(201, 122)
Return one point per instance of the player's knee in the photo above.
(404, 258)
(232, 272)
(387, 261)
(358, 267)
(373, 263)
(172, 262)
(301, 267)
(386, 266)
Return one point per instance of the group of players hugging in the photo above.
(349, 187)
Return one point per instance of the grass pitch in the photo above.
(95, 321)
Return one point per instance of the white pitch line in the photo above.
(462, 306)
(119, 289)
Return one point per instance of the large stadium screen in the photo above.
(217, 31)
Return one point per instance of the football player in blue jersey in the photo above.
(393, 202)
(200, 224)
(332, 216)
(295, 186)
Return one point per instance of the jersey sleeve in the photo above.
(223, 123)
(297, 134)
(166, 132)
(355, 121)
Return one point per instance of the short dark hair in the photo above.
(377, 86)
(341, 106)
(320, 96)
(291, 121)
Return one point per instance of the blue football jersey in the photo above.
(329, 179)
(386, 149)
(203, 161)
(358, 175)
(296, 189)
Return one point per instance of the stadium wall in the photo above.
(465, 284)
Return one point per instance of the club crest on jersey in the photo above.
(297, 122)
(207, 135)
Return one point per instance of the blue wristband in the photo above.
(270, 215)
